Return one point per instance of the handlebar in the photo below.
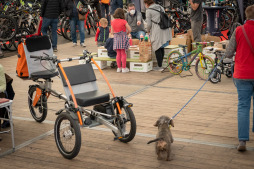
(54, 58)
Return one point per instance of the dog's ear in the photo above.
(171, 122)
(156, 123)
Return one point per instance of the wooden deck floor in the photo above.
(205, 131)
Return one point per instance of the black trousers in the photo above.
(159, 56)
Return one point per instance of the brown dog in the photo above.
(163, 138)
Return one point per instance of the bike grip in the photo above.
(36, 57)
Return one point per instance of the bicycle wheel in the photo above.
(216, 76)
(67, 135)
(92, 24)
(8, 28)
(127, 124)
(175, 65)
(204, 67)
(39, 111)
(67, 30)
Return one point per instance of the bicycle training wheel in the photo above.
(127, 125)
(67, 135)
(204, 67)
(39, 111)
(174, 62)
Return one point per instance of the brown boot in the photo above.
(241, 146)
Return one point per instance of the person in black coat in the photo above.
(50, 11)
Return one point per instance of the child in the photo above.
(121, 41)
(102, 33)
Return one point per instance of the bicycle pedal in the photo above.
(117, 138)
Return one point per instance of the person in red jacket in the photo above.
(102, 33)
(243, 73)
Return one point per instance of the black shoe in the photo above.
(55, 49)
(5, 124)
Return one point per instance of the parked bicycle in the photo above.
(177, 63)
(81, 90)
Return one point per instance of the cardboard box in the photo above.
(102, 52)
(178, 41)
(135, 41)
(141, 67)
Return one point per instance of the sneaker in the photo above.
(55, 49)
(74, 44)
(241, 146)
(83, 45)
(158, 69)
(125, 70)
(119, 70)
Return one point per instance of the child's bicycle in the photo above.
(81, 90)
(177, 62)
(222, 66)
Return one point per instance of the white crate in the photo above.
(141, 67)
(133, 52)
(102, 52)
(165, 62)
(101, 64)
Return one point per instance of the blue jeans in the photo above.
(137, 34)
(245, 90)
(75, 21)
(105, 8)
(46, 22)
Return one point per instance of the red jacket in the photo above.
(244, 58)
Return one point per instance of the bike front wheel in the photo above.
(127, 124)
(204, 67)
(175, 65)
(67, 135)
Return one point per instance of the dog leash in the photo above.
(212, 73)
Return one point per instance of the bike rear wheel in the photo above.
(204, 67)
(67, 135)
(175, 65)
(39, 111)
(8, 28)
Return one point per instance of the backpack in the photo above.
(21, 69)
(165, 22)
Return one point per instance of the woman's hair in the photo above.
(148, 2)
(119, 14)
(249, 12)
(103, 21)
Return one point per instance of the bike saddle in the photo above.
(46, 74)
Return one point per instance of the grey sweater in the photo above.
(132, 21)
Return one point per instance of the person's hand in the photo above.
(139, 23)
(96, 42)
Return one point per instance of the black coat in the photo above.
(68, 7)
(51, 8)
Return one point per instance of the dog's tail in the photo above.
(151, 141)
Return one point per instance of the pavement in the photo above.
(205, 130)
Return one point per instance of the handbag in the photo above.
(80, 16)
(247, 39)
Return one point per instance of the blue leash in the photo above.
(198, 89)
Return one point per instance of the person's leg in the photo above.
(73, 30)
(107, 14)
(54, 32)
(123, 58)
(45, 26)
(196, 30)
(134, 35)
(118, 58)
(81, 31)
(245, 91)
(103, 6)
(159, 56)
(140, 33)
(98, 9)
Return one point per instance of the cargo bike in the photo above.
(81, 91)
